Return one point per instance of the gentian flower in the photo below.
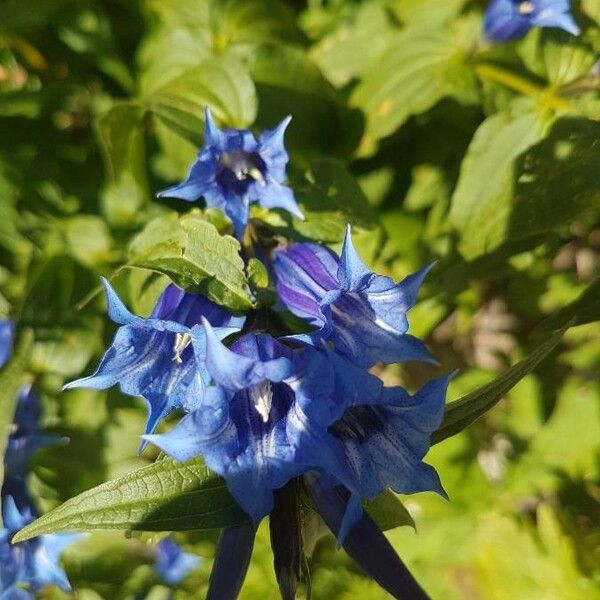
(511, 19)
(363, 314)
(234, 169)
(7, 332)
(24, 440)
(379, 443)
(251, 426)
(173, 564)
(152, 357)
(274, 413)
(34, 563)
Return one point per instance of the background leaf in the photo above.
(464, 412)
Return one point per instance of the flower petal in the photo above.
(7, 332)
(235, 371)
(352, 273)
(213, 136)
(275, 195)
(364, 542)
(384, 444)
(232, 559)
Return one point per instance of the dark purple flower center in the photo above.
(238, 169)
(358, 423)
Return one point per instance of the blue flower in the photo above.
(34, 563)
(153, 358)
(511, 19)
(362, 313)
(234, 169)
(381, 444)
(172, 563)
(253, 426)
(7, 332)
(24, 440)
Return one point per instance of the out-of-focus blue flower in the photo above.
(511, 19)
(34, 563)
(153, 357)
(7, 332)
(253, 425)
(362, 313)
(24, 440)
(172, 563)
(234, 169)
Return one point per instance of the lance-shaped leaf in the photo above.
(584, 309)
(461, 413)
(164, 496)
(192, 252)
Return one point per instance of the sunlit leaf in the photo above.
(165, 496)
(195, 256)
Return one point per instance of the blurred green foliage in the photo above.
(434, 145)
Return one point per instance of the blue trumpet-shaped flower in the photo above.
(511, 19)
(34, 563)
(381, 444)
(254, 426)
(234, 169)
(172, 563)
(153, 357)
(362, 313)
(7, 331)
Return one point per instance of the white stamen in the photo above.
(182, 341)
(261, 396)
(255, 173)
(526, 7)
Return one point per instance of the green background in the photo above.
(435, 145)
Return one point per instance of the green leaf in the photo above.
(195, 256)
(388, 511)
(164, 496)
(426, 13)
(330, 198)
(288, 82)
(482, 200)
(11, 378)
(88, 240)
(585, 309)
(257, 274)
(15, 15)
(221, 83)
(121, 137)
(419, 68)
(66, 338)
(556, 55)
(557, 180)
(371, 30)
(462, 413)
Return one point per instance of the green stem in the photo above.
(521, 85)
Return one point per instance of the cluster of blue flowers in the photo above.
(511, 19)
(32, 565)
(265, 410)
